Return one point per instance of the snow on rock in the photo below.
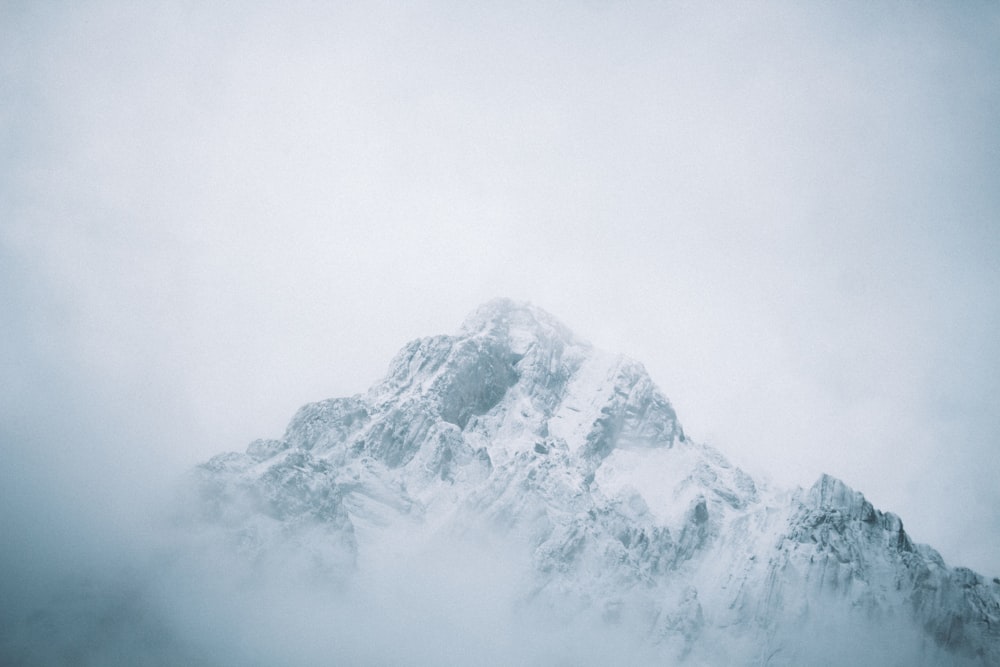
(517, 430)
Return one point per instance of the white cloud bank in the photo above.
(209, 216)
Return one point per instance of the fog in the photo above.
(212, 215)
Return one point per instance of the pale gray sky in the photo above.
(790, 212)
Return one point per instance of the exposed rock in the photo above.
(516, 429)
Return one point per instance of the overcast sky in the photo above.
(789, 212)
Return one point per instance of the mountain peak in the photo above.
(519, 321)
(573, 459)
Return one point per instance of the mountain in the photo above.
(519, 437)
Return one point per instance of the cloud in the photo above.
(211, 217)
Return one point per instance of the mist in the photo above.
(211, 216)
(193, 600)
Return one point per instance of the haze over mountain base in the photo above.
(510, 495)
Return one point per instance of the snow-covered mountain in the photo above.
(517, 435)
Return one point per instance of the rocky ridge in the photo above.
(517, 430)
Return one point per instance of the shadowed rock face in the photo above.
(517, 430)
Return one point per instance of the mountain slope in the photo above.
(517, 434)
